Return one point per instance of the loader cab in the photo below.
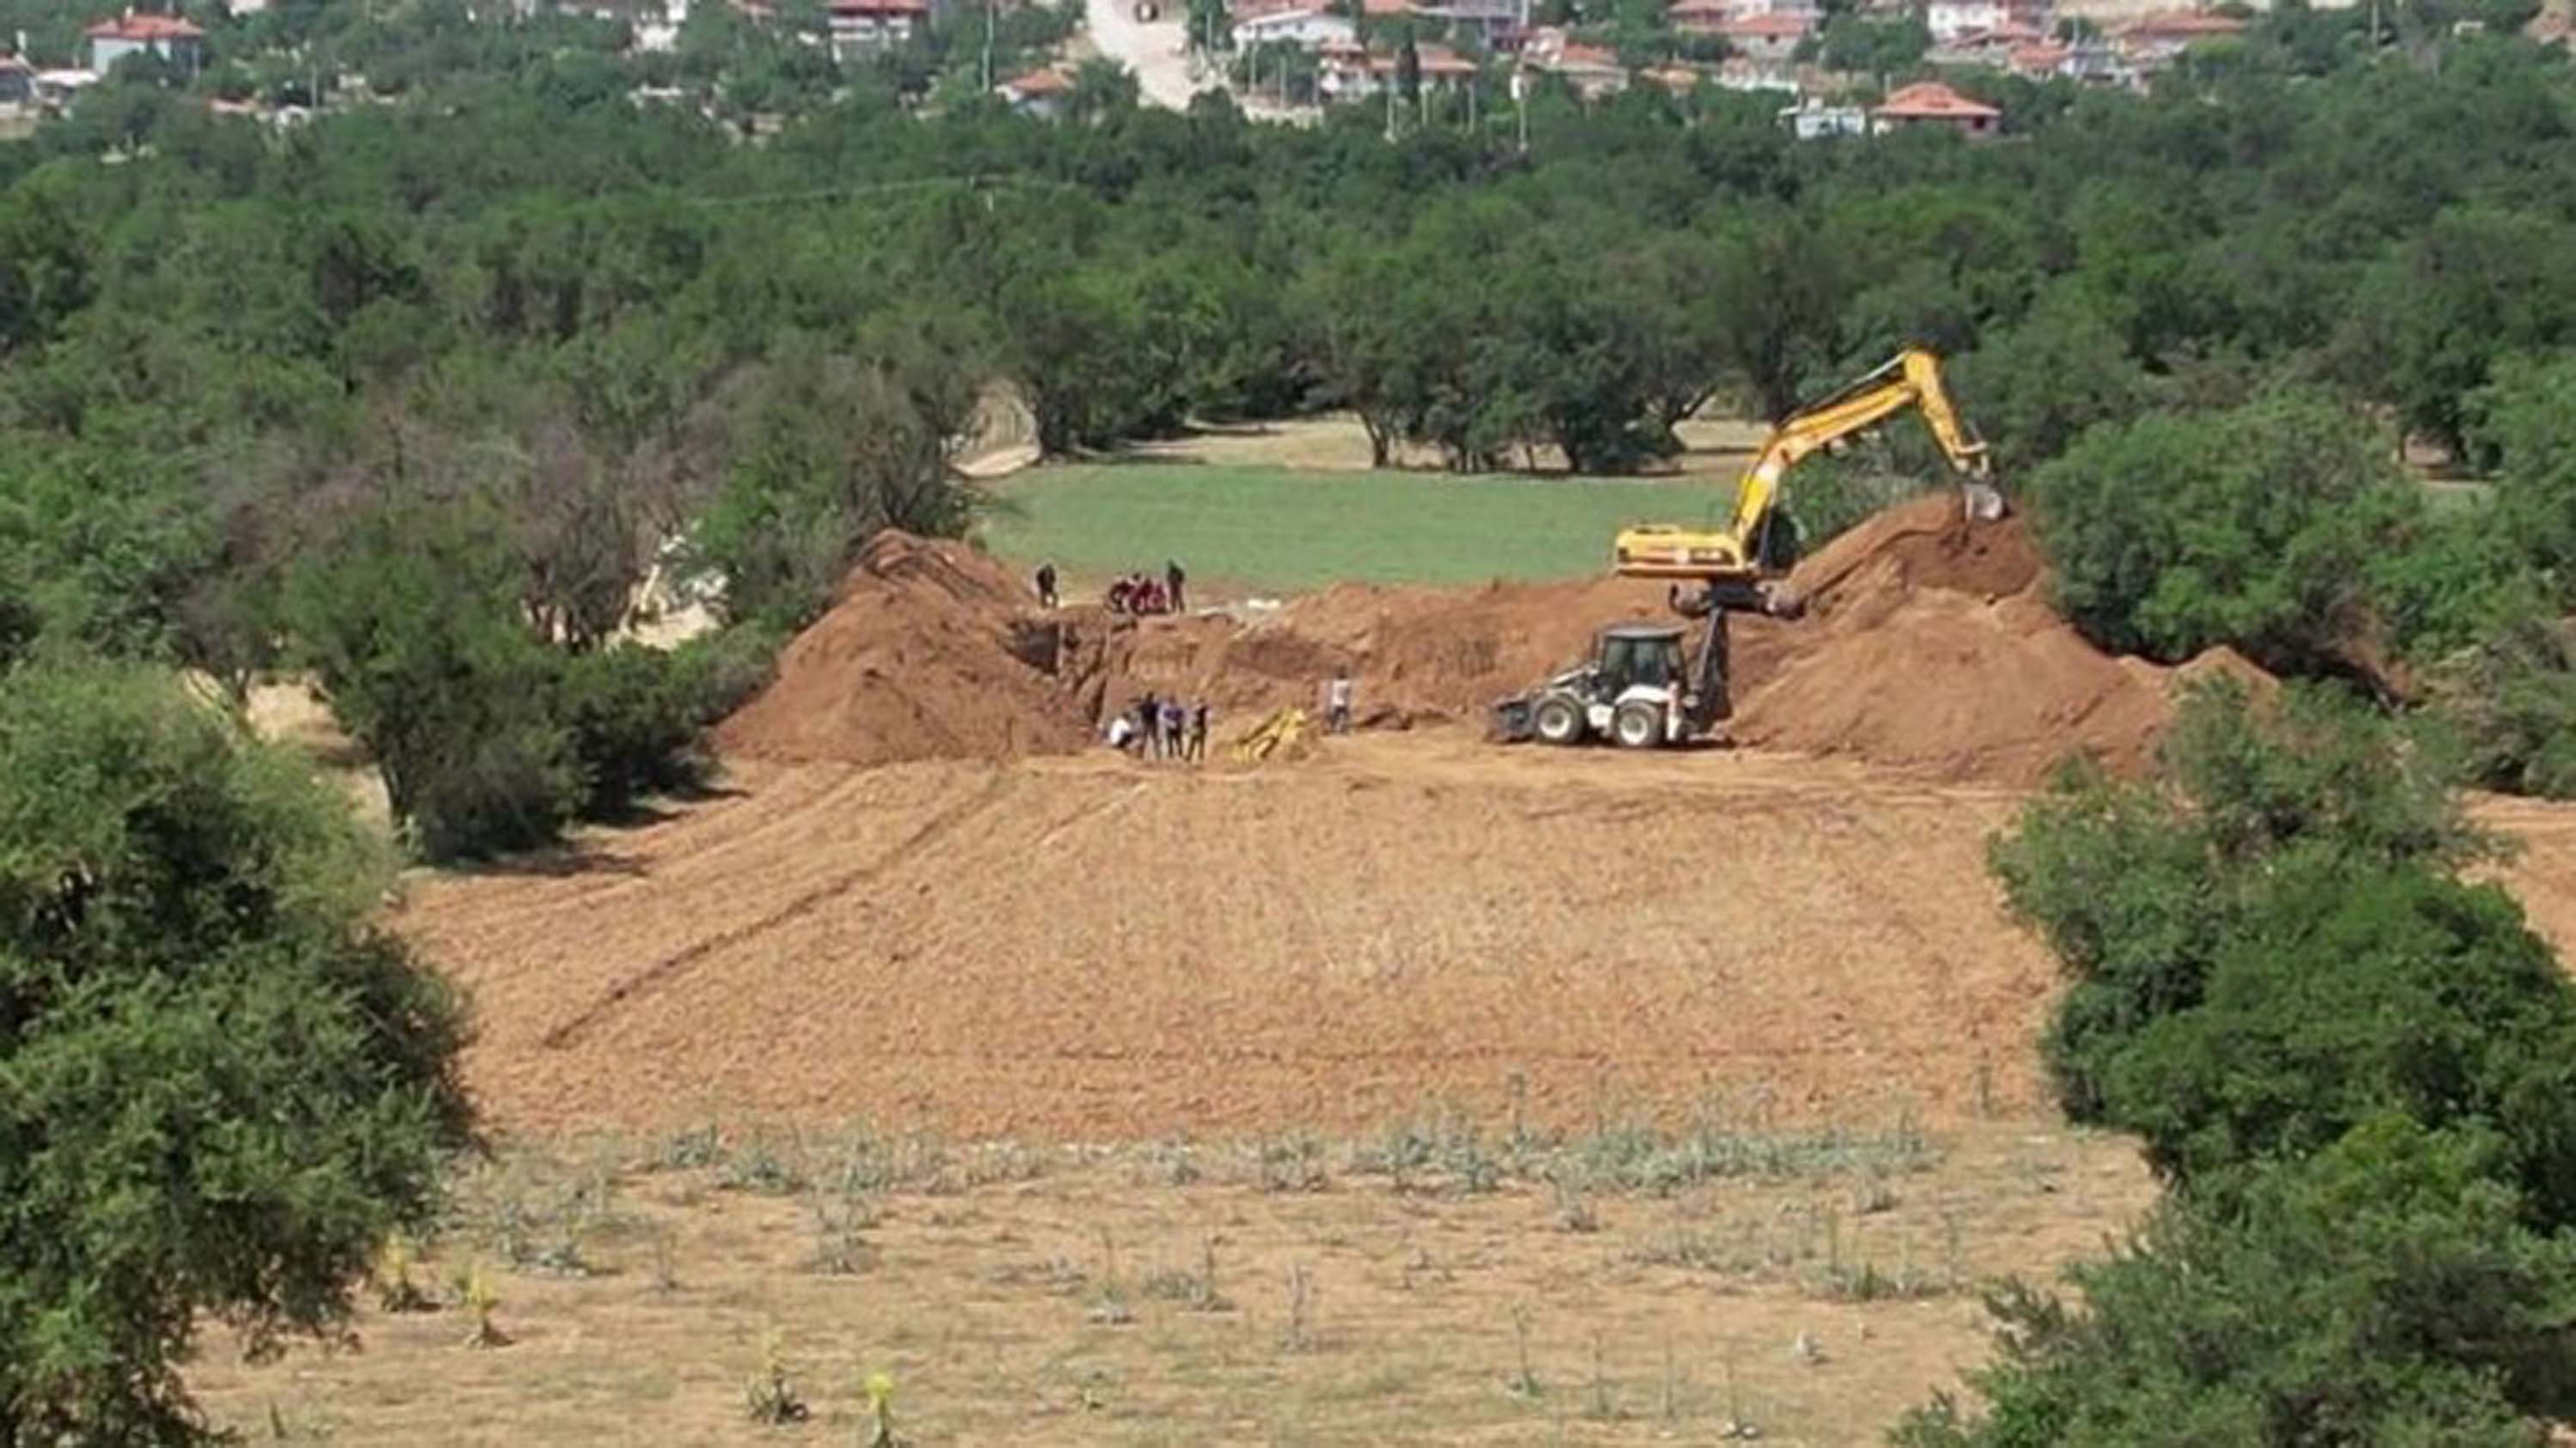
(1639, 654)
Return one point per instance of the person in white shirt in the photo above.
(1337, 703)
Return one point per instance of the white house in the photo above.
(1305, 29)
(863, 26)
(167, 36)
(1949, 20)
(1814, 120)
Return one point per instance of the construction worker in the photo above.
(1172, 578)
(1198, 732)
(1046, 584)
(1337, 703)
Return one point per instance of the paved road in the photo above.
(1152, 51)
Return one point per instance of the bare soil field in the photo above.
(1091, 948)
(1415, 1287)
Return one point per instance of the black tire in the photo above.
(1559, 720)
(1638, 725)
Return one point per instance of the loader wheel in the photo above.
(1637, 726)
(1559, 720)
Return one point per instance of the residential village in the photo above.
(1758, 46)
(1294, 57)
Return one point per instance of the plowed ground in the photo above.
(1084, 947)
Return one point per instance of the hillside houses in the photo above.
(1769, 45)
(1349, 72)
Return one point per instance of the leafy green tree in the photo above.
(410, 620)
(2389, 1290)
(2254, 527)
(2036, 386)
(1861, 46)
(2138, 889)
(2341, 993)
(827, 451)
(225, 1086)
(2432, 320)
(2525, 420)
(1775, 295)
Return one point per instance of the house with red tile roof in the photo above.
(1769, 37)
(1934, 105)
(166, 36)
(1698, 17)
(1348, 72)
(1039, 93)
(2157, 39)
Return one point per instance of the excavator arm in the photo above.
(1736, 554)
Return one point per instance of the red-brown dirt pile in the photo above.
(1928, 644)
(914, 661)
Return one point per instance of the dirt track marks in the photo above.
(661, 973)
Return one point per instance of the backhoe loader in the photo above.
(1639, 688)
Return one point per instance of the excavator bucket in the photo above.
(1985, 501)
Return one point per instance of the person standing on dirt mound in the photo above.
(1046, 584)
(1337, 703)
(1175, 720)
(1172, 580)
(1198, 732)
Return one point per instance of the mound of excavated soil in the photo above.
(915, 661)
(1927, 644)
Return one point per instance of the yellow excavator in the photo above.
(1640, 689)
(1743, 551)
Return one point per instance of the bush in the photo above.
(2138, 888)
(223, 1086)
(411, 623)
(633, 717)
(2342, 992)
(2386, 1292)
(2254, 527)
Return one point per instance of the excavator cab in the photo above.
(1631, 656)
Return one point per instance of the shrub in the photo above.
(2386, 1291)
(633, 714)
(2139, 888)
(2342, 992)
(223, 1087)
(2254, 527)
(411, 623)
(2511, 700)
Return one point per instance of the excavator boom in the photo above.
(1910, 379)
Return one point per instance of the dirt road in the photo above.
(1152, 51)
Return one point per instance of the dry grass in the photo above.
(657, 1292)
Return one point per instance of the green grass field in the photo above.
(1285, 529)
